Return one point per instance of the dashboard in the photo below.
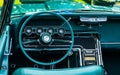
(84, 24)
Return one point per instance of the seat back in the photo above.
(91, 70)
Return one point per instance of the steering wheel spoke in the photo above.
(60, 40)
(30, 41)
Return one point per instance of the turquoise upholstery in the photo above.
(91, 70)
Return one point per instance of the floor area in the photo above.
(112, 62)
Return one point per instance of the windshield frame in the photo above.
(82, 6)
(5, 14)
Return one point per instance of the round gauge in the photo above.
(28, 30)
(39, 30)
(50, 30)
(61, 31)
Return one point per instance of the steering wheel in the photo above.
(47, 35)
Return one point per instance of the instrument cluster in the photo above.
(29, 30)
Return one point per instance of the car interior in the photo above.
(59, 42)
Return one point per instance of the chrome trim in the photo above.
(80, 56)
(110, 43)
(99, 53)
(53, 49)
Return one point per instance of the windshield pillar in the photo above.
(5, 13)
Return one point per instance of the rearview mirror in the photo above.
(101, 2)
(104, 2)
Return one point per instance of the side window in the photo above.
(1, 4)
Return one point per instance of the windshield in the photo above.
(64, 5)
